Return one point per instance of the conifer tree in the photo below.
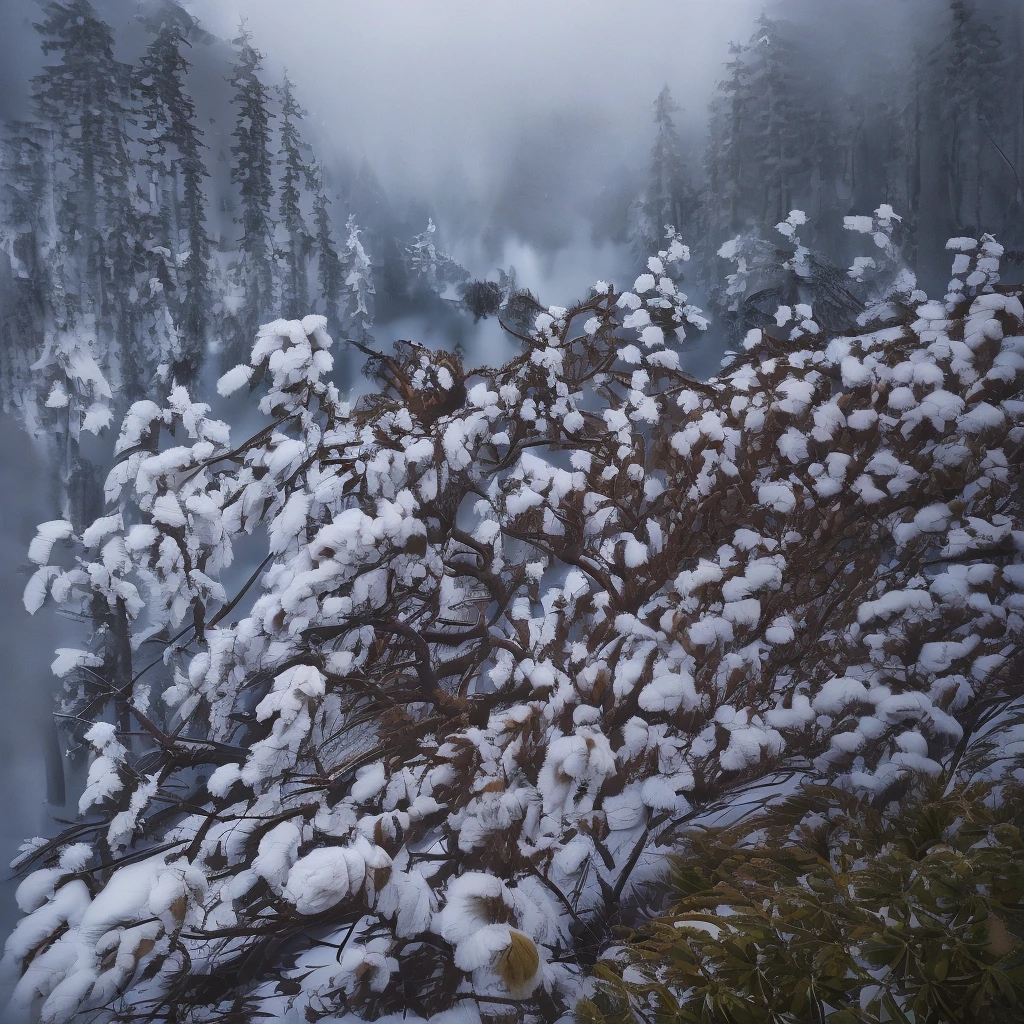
(368, 201)
(357, 295)
(296, 241)
(781, 150)
(81, 100)
(969, 107)
(890, 165)
(770, 149)
(91, 235)
(668, 201)
(252, 172)
(329, 270)
(24, 199)
(720, 212)
(174, 158)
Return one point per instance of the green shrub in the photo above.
(832, 910)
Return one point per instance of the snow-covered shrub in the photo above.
(514, 631)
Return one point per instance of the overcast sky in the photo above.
(428, 88)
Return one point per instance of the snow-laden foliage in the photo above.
(514, 631)
(356, 301)
(767, 279)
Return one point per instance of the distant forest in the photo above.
(132, 251)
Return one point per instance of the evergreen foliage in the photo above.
(969, 64)
(329, 269)
(88, 233)
(668, 202)
(252, 172)
(356, 306)
(296, 238)
(30, 246)
(826, 908)
(928, 129)
(767, 137)
(179, 248)
(82, 101)
(482, 298)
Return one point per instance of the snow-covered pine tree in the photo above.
(783, 141)
(295, 239)
(923, 128)
(90, 239)
(368, 201)
(356, 304)
(422, 258)
(81, 101)
(176, 194)
(251, 171)
(156, 83)
(516, 630)
(888, 158)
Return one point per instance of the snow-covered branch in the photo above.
(514, 626)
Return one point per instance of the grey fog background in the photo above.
(456, 87)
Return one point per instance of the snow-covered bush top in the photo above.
(513, 631)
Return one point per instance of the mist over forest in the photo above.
(537, 244)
